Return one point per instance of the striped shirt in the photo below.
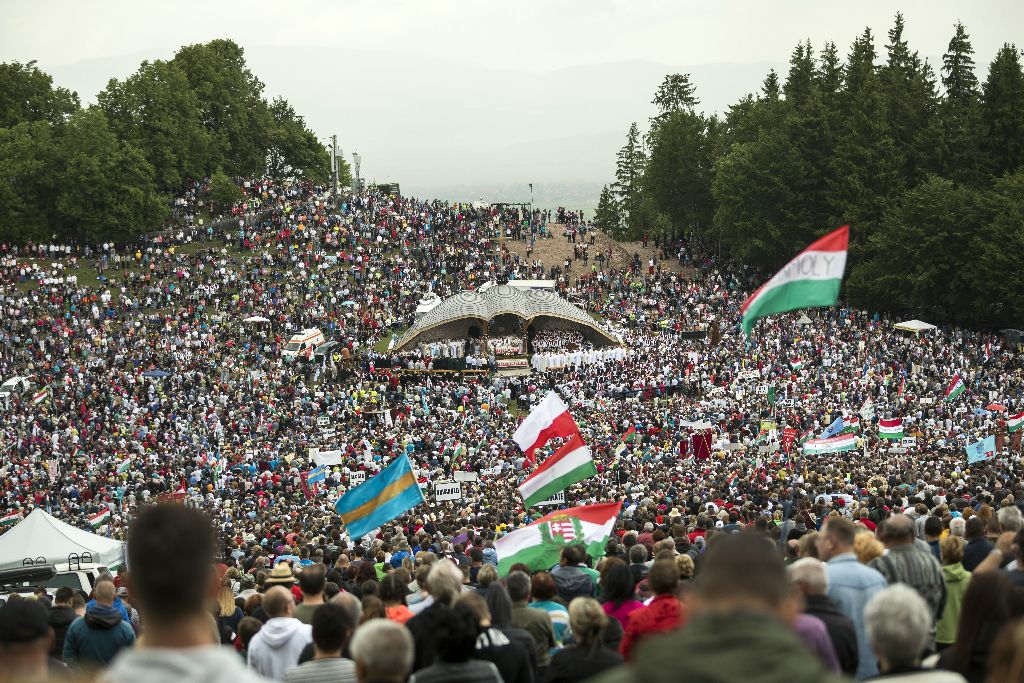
(333, 670)
(918, 569)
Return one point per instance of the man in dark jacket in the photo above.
(809, 575)
(93, 640)
(638, 562)
(978, 547)
(60, 617)
(570, 580)
(737, 629)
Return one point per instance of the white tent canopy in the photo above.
(256, 319)
(42, 535)
(914, 326)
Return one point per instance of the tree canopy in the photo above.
(109, 170)
(926, 167)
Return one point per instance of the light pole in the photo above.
(334, 164)
(332, 151)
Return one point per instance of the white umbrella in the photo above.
(803, 320)
(256, 319)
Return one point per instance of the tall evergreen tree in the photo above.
(770, 89)
(676, 93)
(629, 169)
(961, 113)
(911, 105)
(679, 172)
(799, 88)
(1002, 112)
(608, 217)
(865, 163)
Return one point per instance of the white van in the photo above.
(303, 344)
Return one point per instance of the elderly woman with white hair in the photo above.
(958, 527)
(898, 623)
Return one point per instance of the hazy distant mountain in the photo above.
(457, 130)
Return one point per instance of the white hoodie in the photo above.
(278, 645)
(208, 664)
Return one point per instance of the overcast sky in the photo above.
(471, 96)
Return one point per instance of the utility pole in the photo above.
(334, 164)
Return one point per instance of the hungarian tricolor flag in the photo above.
(835, 444)
(1014, 422)
(812, 278)
(549, 420)
(956, 387)
(540, 544)
(569, 464)
(890, 429)
(850, 425)
(98, 519)
(12, 517)
(630, 435)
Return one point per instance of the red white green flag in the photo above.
(835, 444)
(98, 519)
(1014, 422)
(890, 429)
(812, 278)
(569, 464)
(540, 544)
(956, 387)
(12, 517)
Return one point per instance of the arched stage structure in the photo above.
(503, 310)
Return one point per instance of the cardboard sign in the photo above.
(466, 476)
(908, 441)
(557, 499)
(447, 490)
(323, 421)
(357, 477)
(328, 433)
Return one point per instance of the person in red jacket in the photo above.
(665, 613)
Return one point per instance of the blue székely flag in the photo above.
(833, 429)
(316, 475)
(980, 451)
(381, 499)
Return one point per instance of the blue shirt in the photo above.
(850, 585)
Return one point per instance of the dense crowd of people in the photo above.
(149, 382)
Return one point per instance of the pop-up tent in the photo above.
(41, 535)
(915, 326)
